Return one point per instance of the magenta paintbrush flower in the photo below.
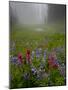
(20, 57)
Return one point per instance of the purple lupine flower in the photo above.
(37, 53)
(14, 60)
(34, 71)
(62, 71)
(18, 62)
(56, 62)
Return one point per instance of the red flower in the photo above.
(28, 56)
(20, 57)
(52, 62)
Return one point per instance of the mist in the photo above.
(35, 13)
